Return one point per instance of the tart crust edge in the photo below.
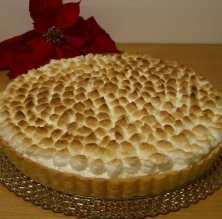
(109, 188)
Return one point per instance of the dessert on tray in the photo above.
(111, 126)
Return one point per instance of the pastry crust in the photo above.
(110, 188)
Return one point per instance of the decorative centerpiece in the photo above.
(59, 32)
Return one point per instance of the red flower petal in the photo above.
(101, 44)
(96, 39)
(40, 48)
(4, 59)
(35, 53)
(8, 46)
(59, 53)
(66, 51)
(18, 66)
(38, 7)
(44, 13)
(5, 51)
(74, 41)
(68, 15)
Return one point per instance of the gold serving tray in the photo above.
(89, 207)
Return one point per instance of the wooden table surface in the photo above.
(207, 61)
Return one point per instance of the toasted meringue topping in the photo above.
(112, 115)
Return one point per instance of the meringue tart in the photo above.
(112, 125)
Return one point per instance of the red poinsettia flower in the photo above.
(59, 32)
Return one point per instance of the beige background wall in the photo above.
(154, 21)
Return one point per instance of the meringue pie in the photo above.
(111, 125)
